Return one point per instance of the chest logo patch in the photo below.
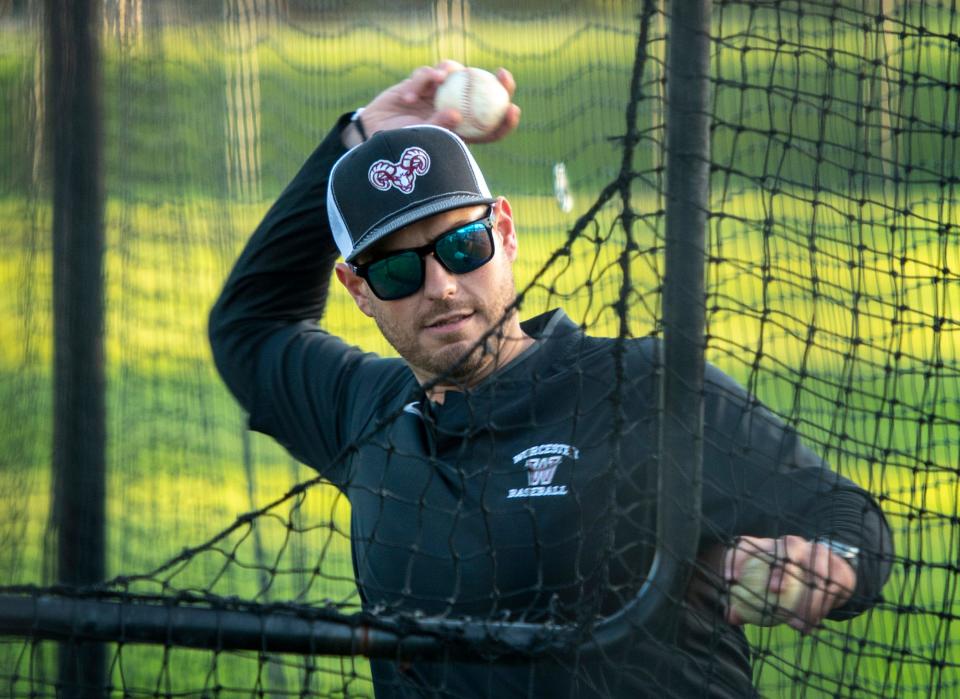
(541, 463)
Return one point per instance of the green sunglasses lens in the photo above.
(396, 276)
(461, 250)
(465, 249)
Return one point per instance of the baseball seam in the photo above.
(467, 98)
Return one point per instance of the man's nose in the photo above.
(438, 283)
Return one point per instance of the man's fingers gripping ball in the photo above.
(424, 81)
(767, 592)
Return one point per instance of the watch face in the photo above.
(845, 551)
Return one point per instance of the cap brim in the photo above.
(423, 209)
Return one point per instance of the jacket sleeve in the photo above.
(759, 479)
(298, 383)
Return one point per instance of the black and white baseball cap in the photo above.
(398, 177)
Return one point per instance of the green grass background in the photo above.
(833, 208)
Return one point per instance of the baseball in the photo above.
(478, 96)
(751, 599)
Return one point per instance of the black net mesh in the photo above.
(832, 293)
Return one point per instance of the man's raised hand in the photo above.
(411, 102)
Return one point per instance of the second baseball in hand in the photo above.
(478, 96)
(755, 604)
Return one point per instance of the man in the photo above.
(501, 470)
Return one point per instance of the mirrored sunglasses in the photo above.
(460, 250)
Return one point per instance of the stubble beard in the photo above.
(458, 362)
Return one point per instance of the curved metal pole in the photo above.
(684, 319)
(684, 308)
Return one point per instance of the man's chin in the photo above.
(456, 362)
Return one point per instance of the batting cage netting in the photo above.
(152, 545)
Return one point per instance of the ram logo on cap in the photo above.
(402, 174)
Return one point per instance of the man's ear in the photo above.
(508, 233)
(355, 286)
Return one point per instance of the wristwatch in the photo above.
(849, 553)
(355, 120)
(352, 137)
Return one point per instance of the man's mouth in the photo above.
(449, 321)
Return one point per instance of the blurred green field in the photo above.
(871, 266)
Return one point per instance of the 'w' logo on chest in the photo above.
(540, 470)
(541, 462)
